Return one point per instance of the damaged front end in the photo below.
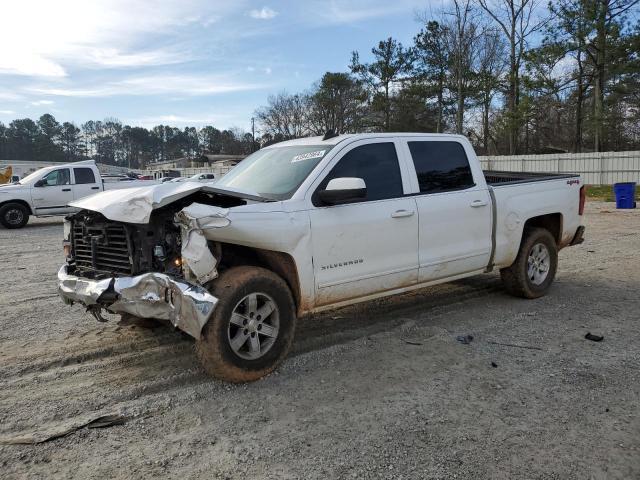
(150, 270)
(150, 295)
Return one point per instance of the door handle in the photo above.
(95, 188)
(479, 203)
(402, 213)
(66, 189)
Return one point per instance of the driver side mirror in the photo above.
(343, 190)
(39, 183)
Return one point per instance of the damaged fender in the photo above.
(150, 295)
(196, 255)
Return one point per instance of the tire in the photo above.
(14, 215)
(236, 318)
(525, 277)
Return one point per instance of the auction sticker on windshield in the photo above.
(308, 156)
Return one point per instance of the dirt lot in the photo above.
(355, 399)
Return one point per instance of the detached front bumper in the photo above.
(150, 295)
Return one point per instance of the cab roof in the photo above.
(359, 136)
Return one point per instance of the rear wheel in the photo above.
(14, 215)
(534, 269)
(252, 327)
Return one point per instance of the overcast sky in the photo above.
(180, 62)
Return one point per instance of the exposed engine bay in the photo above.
(102, 248)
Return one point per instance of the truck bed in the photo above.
(497, 178)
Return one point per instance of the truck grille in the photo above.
(102, 248)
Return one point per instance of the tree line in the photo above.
(109, 141)
(512, 77)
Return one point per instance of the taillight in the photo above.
(583, 198)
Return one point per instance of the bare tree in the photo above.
(285, 116)
(462, 47)
(518, 20)
(448, 58)
(491, 66)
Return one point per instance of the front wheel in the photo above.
(252, 327)
(14, 215)
(533, 271)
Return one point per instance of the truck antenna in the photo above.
(329, 134)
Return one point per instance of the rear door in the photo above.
(54, 194)
(454, 210)
(85, 182)
(370, 246)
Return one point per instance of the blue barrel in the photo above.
(625, 194)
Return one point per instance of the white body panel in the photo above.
(437, 237)
(517, 203)
(52, 199)
(363, 247)
(455, 237)
(85, 189)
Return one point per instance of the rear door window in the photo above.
(377, 164)
(84, 175)
(441, 166)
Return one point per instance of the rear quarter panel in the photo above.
(517, 203)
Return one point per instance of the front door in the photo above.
(54, 193)
(366, 247)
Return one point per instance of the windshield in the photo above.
(275, 173)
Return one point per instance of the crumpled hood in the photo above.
(134, 205)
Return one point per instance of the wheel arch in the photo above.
(24, 203)
(280, 263)
(552, 222)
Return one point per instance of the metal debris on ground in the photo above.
(594, 338)
(465, 339)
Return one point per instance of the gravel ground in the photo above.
(380, 390)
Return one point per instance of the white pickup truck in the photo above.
(308, 225)
(49, 191)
